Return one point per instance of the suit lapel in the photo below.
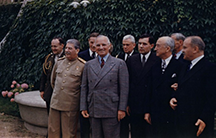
(95, 66)
(150, 61)
(169, 69)
(106, 68)
(198, 66)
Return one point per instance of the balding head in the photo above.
(193, 47)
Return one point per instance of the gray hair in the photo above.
(197, 41)
(129, 37)
(169, 42)
(179, 36)
(108, 41)
(75, 42)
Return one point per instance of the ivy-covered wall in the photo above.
(29, 41)
(8, 14)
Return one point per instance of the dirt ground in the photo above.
(13, 127)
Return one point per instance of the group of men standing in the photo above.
(168, 93)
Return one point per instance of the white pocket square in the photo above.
(174, 75)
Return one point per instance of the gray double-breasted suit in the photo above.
(104, 90)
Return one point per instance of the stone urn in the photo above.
(33, 111)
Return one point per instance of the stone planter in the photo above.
(33, 111)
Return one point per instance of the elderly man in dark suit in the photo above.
(128, 45)
(163, 74)
(57, 45)
(139, 66)
(104, 91)
(194, 100)
(90, 53)
(179, 39)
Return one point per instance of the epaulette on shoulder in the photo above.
(82, 60)
(61, 58)
(50, 54)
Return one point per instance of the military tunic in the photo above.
(66, 81)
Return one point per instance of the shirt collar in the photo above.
(90, 53)
(178, 54)
(193, 62)
(104, 58)
(167, 61)
(146, 56)
(131, 53)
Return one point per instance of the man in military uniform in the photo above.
(66, 81)
(57, 45)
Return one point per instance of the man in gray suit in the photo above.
(104, 91)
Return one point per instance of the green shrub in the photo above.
(8, 14)
(29, 41)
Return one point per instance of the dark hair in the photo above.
(75, 42)
(61, 41)
(151, 39)
(94, 34)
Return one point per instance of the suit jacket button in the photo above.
(62, 88)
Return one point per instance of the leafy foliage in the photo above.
(8, 14)
(29, 41)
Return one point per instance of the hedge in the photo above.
(8, 14)
(29, 41)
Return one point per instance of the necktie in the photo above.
(128, 56)
(143, 62)
(189, 65)
(102, 62)
(163, 66)
(93, 55)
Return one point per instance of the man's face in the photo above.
(161, 48)
(71, 52)
(188, 50)
(102, 46)
(91, 42)
(178, 43)
(144, 46)
(56, 46)
(128, 46)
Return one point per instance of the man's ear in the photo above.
(181, 42)
(152, 45)
(168, 49)
(77, 51)
(196, 49)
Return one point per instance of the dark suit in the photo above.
(84, 122)
(45, 78)
(122, 55)
(138, 80)
(85, 55)
(159, 95)
(104, 91)
(196, 99)
(124, 132)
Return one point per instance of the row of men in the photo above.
(160, 94)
